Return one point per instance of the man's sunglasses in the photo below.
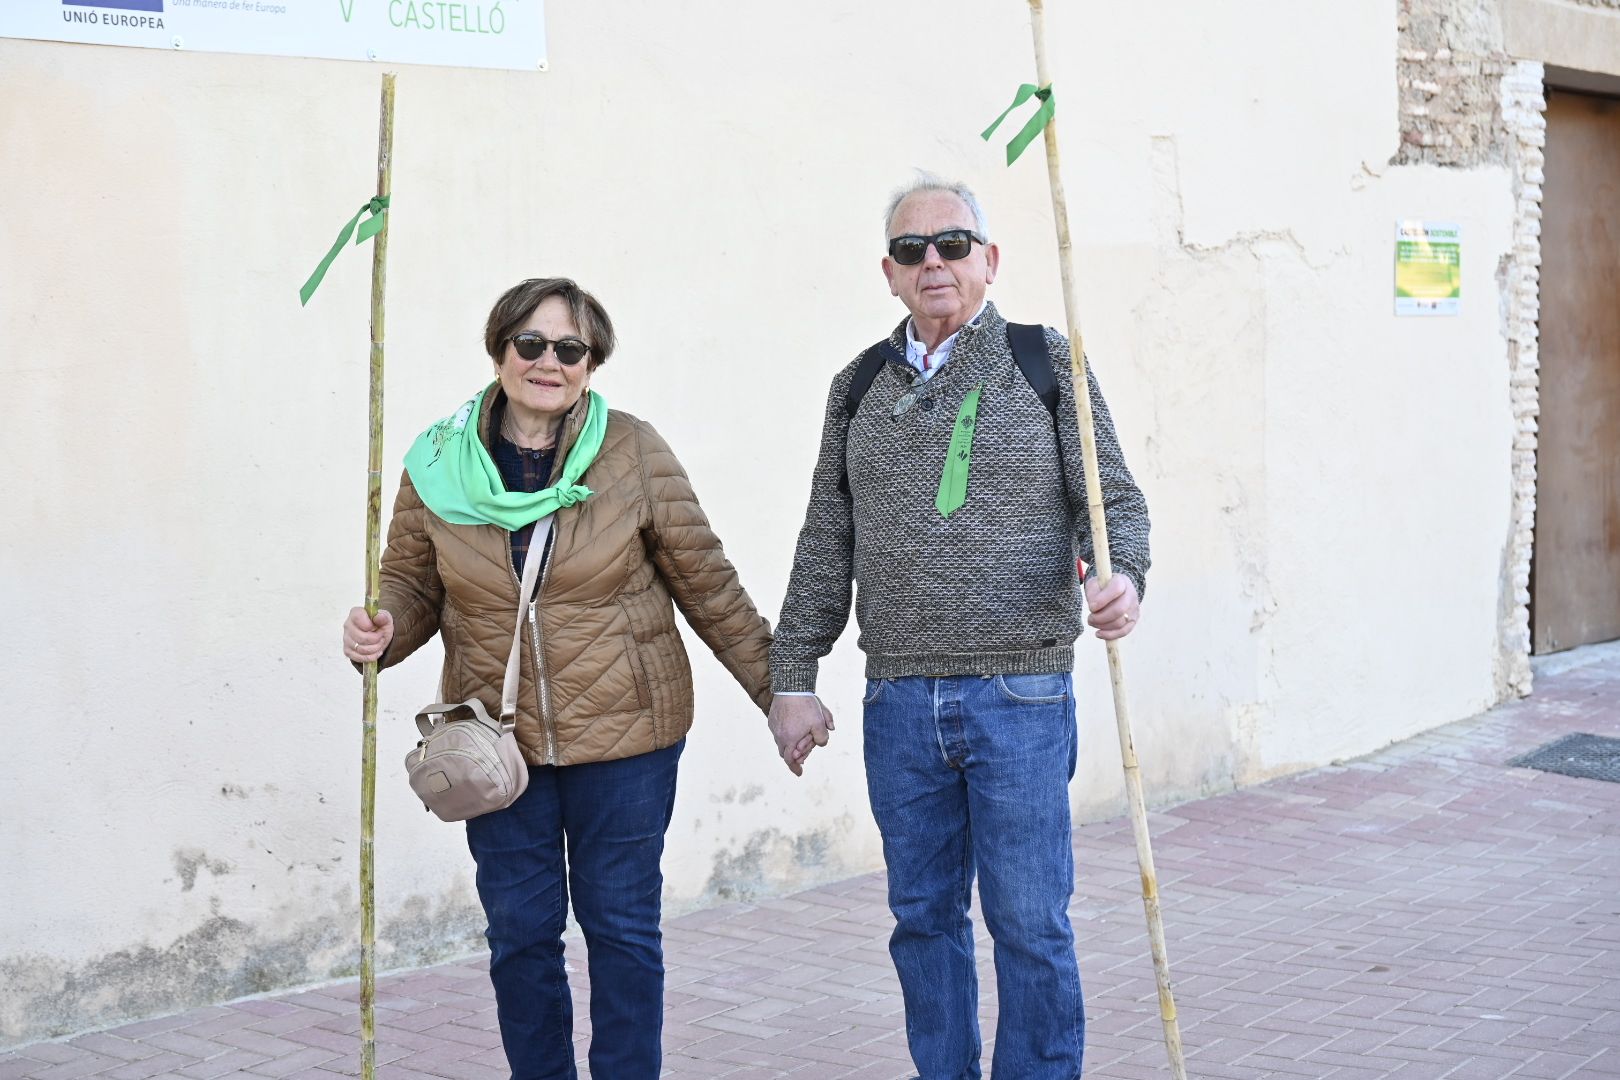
(532, 346)
(951, 245)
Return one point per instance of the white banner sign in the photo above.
(457, 33)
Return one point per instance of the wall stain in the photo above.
(770, 862)
(744, 795)
(225, 958)
(187, 861)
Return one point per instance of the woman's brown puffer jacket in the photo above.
(614, 680)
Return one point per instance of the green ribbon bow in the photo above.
(370, 227)
(1033, 127)
(959, 458)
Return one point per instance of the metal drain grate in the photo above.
(1591, 757)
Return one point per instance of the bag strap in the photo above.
(1028, 343)
(866, 371)
(1029, 352)
(531, 572)
(872, 361)
(471, 709)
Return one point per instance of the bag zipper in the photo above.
(485, 760)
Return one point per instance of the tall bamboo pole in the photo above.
(368, 725)
(1105, 570)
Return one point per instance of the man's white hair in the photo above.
(927, 181)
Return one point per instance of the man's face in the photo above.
(936, 289)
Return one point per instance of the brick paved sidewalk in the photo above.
(1424, 913)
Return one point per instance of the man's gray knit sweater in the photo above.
(990, 589)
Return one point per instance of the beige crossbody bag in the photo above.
(467, 764)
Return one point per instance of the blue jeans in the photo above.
(612, 816)
(964, 773)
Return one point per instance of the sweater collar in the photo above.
(988, 320)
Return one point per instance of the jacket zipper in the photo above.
(543, 683)
(548, 725)
(542, 688)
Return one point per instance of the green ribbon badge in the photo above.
(1035, 125)
(959, 458)
(368, 228)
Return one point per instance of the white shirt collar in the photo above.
(927, 362)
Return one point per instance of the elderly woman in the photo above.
(605, 697)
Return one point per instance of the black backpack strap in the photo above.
(872, 361)
(1029, 351)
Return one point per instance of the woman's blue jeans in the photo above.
(610, 818)
(972, 773)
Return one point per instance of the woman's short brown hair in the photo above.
(515, 306)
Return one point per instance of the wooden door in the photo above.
(1575, 568)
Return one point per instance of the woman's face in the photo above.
(544, 388)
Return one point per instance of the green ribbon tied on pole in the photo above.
(368, 228)
(953, 478)
(1035, 125)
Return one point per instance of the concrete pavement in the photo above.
(1426, 913)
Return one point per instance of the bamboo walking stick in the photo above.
(1105, 570)
(361, 228)
(368, 726)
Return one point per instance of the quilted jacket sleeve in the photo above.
(411, 590)
(700, 578)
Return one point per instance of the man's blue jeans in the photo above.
(612, 816)
(965, 773)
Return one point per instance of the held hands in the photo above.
(364, 637)
(800, 723)
(1114, 607)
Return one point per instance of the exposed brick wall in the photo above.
(1524, 115)
(1449, 74)
(1465, 103)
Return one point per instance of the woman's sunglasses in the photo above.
(532, 346)
(951, 245)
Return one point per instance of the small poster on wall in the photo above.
(1428, 268)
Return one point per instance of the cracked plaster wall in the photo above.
(1233, 198)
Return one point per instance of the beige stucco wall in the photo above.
(185, 448)
(1554, 32)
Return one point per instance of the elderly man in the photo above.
(950, 490)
